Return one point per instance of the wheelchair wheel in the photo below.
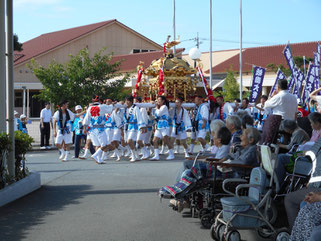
(213, 232)
(207, 220)
(272, 213)
(282, 234)
(233, 235)
(220, 232)
(202, 212)
(264, 232)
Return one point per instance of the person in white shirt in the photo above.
(15, 121)
(95, 119)
(45, 121)
(224, 109)
(314, 96)
(142, 136)
(282, 102)
(236, 105)
(181, 123)
(162, 128)
(133, 123)
(117, 115)
(62, 121)
(201, 121)
(245, 106)
(260, 114)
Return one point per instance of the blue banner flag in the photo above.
(279, 75)
(289, 58)
(297, 74)
(299, 77)
(257, 82)
(317, 77)
(318, 53)
(310, 82)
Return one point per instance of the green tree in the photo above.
(298, 60)
(17, 46)
(79, 78)
(231, 89)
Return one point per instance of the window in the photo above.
(135, 51)
(18, 102)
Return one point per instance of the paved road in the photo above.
(80, 200)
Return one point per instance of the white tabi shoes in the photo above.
(170, 155)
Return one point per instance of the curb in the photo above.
(20, 188)
(37, 149)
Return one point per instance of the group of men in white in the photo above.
(125, 129)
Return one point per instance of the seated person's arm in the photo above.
(287, 147)
(223, 159)
(247, 157)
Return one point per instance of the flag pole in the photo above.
(241, 79)
(10, 86)
(174, 27)
(211, 63)
(2, 67)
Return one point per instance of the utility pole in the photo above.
(174, 26)
(211, 64)
(10, 86)
(241, 30)
(2, 67)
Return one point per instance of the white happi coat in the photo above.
(133, 119)
(201, 115)
(96, 116)
(181, 121)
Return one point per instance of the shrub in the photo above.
(22, 146)
(5, 147)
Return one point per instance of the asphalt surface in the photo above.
(80, 200)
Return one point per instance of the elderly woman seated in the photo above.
(308, 218)
(221, 138)
(285, 160)
(215, 126)
(307, 226)
(246, 156)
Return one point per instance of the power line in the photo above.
(237, 42)
(226, 41)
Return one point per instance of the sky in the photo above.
(268, 22)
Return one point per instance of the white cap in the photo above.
(23, 116)
(78, 107)
(15, 112)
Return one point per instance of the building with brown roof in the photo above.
(261, 56)
(115, 36)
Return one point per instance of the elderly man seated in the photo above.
(285, 160)
(298, 135)
(234, 124)
(246, 156)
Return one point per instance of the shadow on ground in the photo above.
(18, 217)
